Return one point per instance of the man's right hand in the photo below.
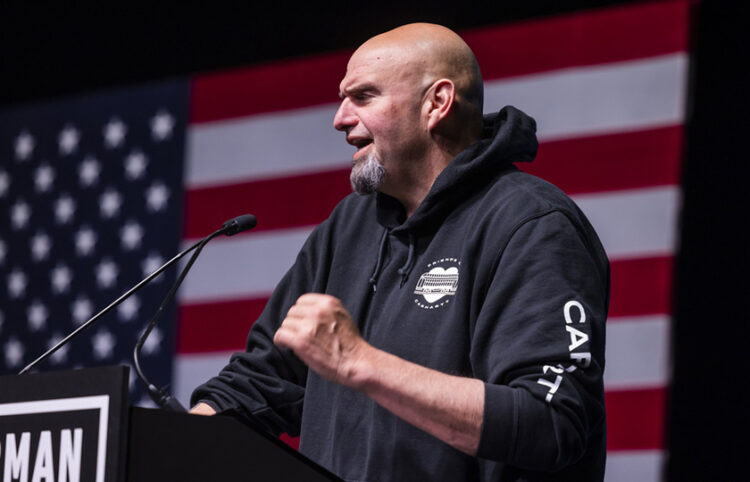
(202, 409)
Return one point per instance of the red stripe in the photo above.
(293, 442)
(611, 162)
(635, 419)
(280, 203)
(215, 327)
(267, 88)
(641, 286)
(587, 38)
(582, 165)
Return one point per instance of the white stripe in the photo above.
(632, 466)
(189, 371)
(636, 355)
(241, 267)
(262, 146)
(606, 98)
(566, 103)
(634, 223)
(637, 352)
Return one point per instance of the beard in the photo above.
(367, 174)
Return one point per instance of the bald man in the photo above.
(447, 321)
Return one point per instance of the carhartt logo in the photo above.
(440, 282)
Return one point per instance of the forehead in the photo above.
(380, 66)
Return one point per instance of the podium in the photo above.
(76, 426)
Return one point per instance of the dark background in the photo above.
(47, 51)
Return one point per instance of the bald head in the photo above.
(411, 101)
(431, 52)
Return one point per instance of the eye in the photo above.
(361, 97)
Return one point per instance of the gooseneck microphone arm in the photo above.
(157, 394)
(231, 227)
(160, 396)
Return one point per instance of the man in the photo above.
(448, 322)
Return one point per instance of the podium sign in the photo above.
(64, 426)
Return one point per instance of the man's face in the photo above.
(380, 113)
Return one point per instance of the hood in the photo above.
(509, 136)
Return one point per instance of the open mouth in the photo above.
(360, 144)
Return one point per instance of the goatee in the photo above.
(367, 174)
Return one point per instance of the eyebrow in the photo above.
(358, 89)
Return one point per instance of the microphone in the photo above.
(238, 224)
(229, 228)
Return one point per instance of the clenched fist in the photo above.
(322, 334)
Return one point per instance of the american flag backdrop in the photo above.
(91, 202)
(607, 87)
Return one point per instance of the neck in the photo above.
(415, 179)
(413, 185)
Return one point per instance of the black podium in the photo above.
(76, 425)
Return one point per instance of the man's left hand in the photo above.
(322, 334)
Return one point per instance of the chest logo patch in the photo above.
(436, 286)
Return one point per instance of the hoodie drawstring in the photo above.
(381, 253)
(407, 267)
(404, 271)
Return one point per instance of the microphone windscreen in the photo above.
(239, 224)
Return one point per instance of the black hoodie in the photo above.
(497, 276)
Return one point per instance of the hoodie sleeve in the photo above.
(539, 345)
(266, 384)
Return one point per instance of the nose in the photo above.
(344, 118)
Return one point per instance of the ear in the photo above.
(438, 101)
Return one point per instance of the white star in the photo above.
(152, 345)
(156, 196)
(88, 172)
(130, 235)
(152, 262)
(16, 283)
(65, 207)
(20, 213)
(36, 314)
(103, 342)
(40, 246)
(81, 309)
(2, 251)
(135, 165)
(61, 355)
(60, 278)
(4, 183)
(68, 140)
(85, 241)
(114, 133)
(43, 177)
(161, 125)
(106, 273)
(109, 203)
(13, 352)
(128, 309)
(24, 145)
